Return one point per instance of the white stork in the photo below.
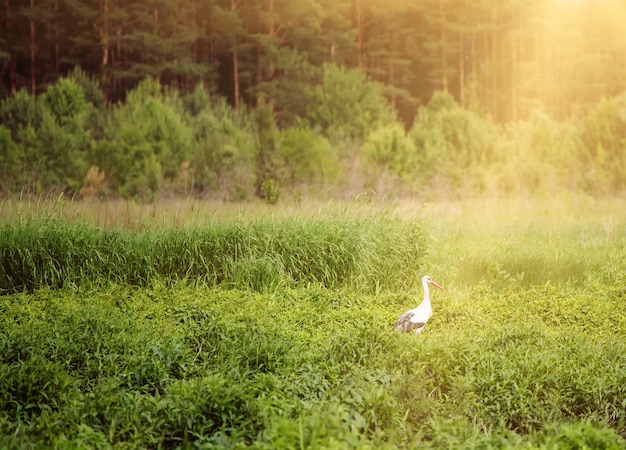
(416, 318)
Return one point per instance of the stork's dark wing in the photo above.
(404, 323)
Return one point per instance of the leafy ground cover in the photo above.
(525, 349)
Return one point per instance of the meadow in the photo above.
(187, 324)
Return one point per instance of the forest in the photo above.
(238, 99)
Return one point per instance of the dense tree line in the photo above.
(504, 57)
(241, 98)
(348, 139)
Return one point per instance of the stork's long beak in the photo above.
(434, 283)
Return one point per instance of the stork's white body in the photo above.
(415, 319)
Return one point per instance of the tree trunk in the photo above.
(514, 79)
(494, 67)
(12, 66)
(461, 70)
(391, 82)
(33, 50)
(443, 55)
(473, 79)
(155, 15)
(236, 79)
(120, 61)
(195, 46)
(271, 71)
(104, 41)
(391, 72)
(484, 79)
(473, 56)
(57, 48)
(236, 89)
(358, 20)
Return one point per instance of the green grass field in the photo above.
(200, 325)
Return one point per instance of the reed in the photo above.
(370, 254)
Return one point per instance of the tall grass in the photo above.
(526, 244)
(378, 252)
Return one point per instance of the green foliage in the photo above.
(347, 104)
(538, 159)
(454, 145)
(268, 156)
(602, 147)
(159, 141)
(222, 158)
(524, 388)
(276, 49)
(264, 254)
(62, 139)
(308, 158)
(51, 138)
(21, 114)
(19, 111)
(290, 92)
(583, 435)
(9, 159)
(65, 100)
(391, 149)
(270, 191)
(91, 88)
(95, 108)
(145, 143)
(292, 348)
(131, 167)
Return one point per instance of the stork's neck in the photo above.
(426, 294)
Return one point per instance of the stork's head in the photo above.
(427, 280)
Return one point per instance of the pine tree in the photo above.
(285, 41)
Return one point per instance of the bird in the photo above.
(415, 319)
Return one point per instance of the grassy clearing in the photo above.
(525, 349)
(524, 244)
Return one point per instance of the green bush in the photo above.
(65, 100)
(538, 159)
(455, 146)
(62, 138)
(601, 144)
(308, 159)
(145, 143)
(390, 148)
(19, 111)
(347, 104)
(10, 164)
(50, 136)
(95, 107)
(268, 162)
(583, 435)
(91, 88)
(222, 159)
